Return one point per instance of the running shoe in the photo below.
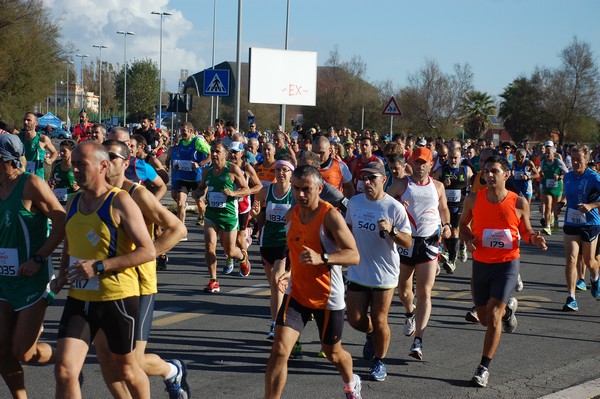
(271, 334)
(378, 371)
(581, 285)
(480, 379)
(472, 315)
(509, 325)
(212, 286)
(177, 387)
(245, 266)
(354, 393)
(409, 324)
(449, 267)
(184, 239)
(200, 220)
(297, 351)
(368, 350)
(543, 222)
(228, 266)
(438, 269)
(595, 290)
(571, 305)
(321, 354)
(416, 349)
(462, 255)
(519, 286)
(546, 230)
(161, 262)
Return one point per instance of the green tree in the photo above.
(432, 100)
(475, 110)
(520, 109)
(30, 55)
(142, 90)
(570, 92)
(342, 93)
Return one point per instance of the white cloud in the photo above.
(88, 22)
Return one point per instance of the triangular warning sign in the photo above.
(216, 86)
(392, 108)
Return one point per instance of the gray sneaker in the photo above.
(449, 266)
(519, 286)
(480, 379)
(409, 324)
(354, 393)
(509, 325)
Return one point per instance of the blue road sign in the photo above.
(216, 82)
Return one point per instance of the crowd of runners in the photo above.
(341, 219)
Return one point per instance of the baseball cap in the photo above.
(236, 146)
(421, 142)
(549, 143)
(374, 167)
(422, 153)
(11, 148)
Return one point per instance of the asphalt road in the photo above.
(221, 337)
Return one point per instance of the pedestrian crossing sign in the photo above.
(216, 82)
(392, 108)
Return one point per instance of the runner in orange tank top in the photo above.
(319, 242)
(491, 223)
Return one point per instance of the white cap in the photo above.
(549, 143)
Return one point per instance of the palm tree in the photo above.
(475, 110)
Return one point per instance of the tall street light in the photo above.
(67, 62)
(160, 64)
(100, 47)
(125, 74)
(82, 56)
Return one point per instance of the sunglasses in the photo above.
(113, 155)
(284, 170)
(370, 177)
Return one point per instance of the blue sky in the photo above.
(501, 40)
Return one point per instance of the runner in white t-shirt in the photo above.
(380, 225)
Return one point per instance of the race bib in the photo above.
(217, 199)
(185, 166)
(276, 212)
(9, 262)
(519, 174)
(453, 195)
(30, 167)
(360, 186)
(551, 183)
(91, 284)
(61, 194)
(407, 252)
(575, 217)
(496, 238)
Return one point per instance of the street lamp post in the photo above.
(125, 74)
(159, 119)
(100, 47)
(82, 56)
(67, 62)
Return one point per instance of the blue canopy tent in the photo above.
(49, 119)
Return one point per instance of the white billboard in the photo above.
(282, 77)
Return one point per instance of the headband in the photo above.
(281, 162)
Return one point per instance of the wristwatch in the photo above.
(393, 232)
(98, 267)
(38, 259)
(325, 257)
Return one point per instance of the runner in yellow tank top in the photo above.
(102, 247)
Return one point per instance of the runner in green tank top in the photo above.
(36, 145)
(26, 204)
(62, 178)
(553, 171)
(275, 200)
(221, 215)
